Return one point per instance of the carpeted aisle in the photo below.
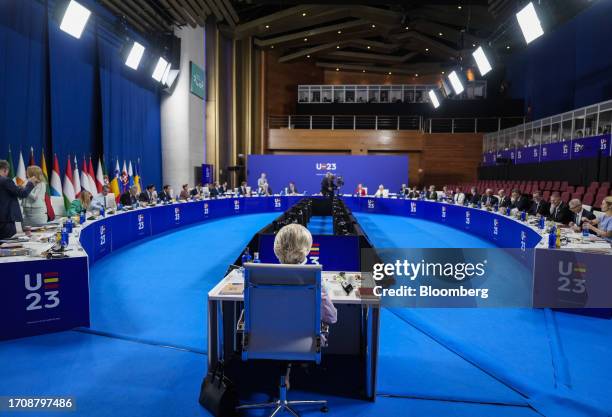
(149, 302)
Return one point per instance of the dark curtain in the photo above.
(23, 66)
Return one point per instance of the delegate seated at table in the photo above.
(603, 227)
(81, 204)
(104, 200)
(130, 197)
(291, 246)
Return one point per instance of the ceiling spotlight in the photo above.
(305, 39)
(338, 47)
(339, 32)
(433, 97)
(307, 56)
(407, 27)
(473, 45)
(426, 49)
(507, 46)
(75, 18)
(369, 47)
(440, 34)
(530, 23)
(456, 82)
(373, 26)
(135, 55)
(337, 69)
(416, 75)
(484, 66)
(160, 69)
(390, 73)
(267, 26)
(459, 7)
(442, 73)
(272, 47)
(362, 70)
(304, 14)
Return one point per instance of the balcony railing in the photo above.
(346, 122)
(470, 124)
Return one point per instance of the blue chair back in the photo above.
(282, 312)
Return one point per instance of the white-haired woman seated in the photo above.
(291, 246)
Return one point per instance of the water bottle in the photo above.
(246, 256)
(69, 225)
(119, 206)
(541, 223)
(524, 216)
(65, 239)
(552, 238)
(82, 217)
(102, 213)
(256, 258)
(585, 231)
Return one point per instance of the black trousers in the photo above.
(7, 230)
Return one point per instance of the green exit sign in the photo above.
(198, 83)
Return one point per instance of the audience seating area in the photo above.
(590, 195)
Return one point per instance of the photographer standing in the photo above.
(327, 185)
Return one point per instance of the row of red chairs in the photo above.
(591, 195)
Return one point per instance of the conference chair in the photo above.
(282, 322)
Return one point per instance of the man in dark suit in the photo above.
(129, 197)
(327, 185)
(579, 215)
(473, 197)
(558, 211)
(243, 189)
(432, 194)
(488, 199)
(9, 205)
(518, 201)
(538, 205)
(503, 199)
(147, 195)
(166, 194)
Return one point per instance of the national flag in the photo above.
(43, 168)
(85, 184)
(99, 176)
(56, 182)
(76, 179)
(130, 175)
(32, 161)
(20, 177)
(124, 178)
(11, 168)
(92, 179)
(114, 184)
(137, 176)
(69, 193)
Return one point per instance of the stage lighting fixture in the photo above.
(433, 97)
(530, 23)
(484, 66)
(456, 82)
(446, 88)
(75, 18)
(159, 70)
(164, 78)
(135, 55)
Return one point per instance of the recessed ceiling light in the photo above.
(307, 56)
(390, 73)
(362, 70)
(305, 39)
(369, 47)
(442, 72)
(373, 26)
(474, 45)
(426, 49)
(304, 14)
(267, 26)
(459, 7)
(338, 47)
(407, 28)
(440, 34)
(339, 32)
(416, 75)
(337, 69)
(507, 46)
(272, 47)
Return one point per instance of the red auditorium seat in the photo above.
(548, 185)
(588, 199)
(593, 186)
(542, 184)
(565, 196)
(556, 186)
(580, 189)
(546, 195)
(577, 195)
(563, 185)
(569, 189)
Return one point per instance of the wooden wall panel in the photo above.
(361, 78)
(434, 158)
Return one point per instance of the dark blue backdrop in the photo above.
(307, 171)
(568, 67)
(74, 96)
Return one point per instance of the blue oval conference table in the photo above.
(47, 295)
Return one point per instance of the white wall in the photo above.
(183, 117)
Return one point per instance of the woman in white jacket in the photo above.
(34, 207)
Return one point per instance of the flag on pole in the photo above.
(69, 193)
(56, 182)
(92, 179)
(85, 184)
(20, 177)
(137, 176)
(124, 178)
(114, 184)
(130, 175)
(11, 168)
(43, 168)
(99, 176)
(76, 179)
(32, 161)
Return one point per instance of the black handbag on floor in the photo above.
(218, 394)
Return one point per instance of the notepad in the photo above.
(232, 288)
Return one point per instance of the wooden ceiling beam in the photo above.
(231, 10)
(361, 56)
(376, 15)
(186, 16)
(433, 29)
(288, 15)
(195, 12)
(433, 43)
(175, 15)
(418, 68)
(378, 46)
(138, 12)
(309, 51)
(310, 33)
(161, 20)
(142, 27)
(213, 7)
(226, 15)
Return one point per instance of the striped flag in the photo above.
(11, 168)
(32, 161)
(92, 179)
(114, 184)
(20, 176)
(124, 178)
(43, 168)
(69, 193)
(130, 175)
(99, 176)
(56, 182)
(137, 176)
(76, 180)
(85, 183)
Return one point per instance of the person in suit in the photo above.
(184, 195)
(432, 194)
(404, 191)
(327, 185)
(81, 204)
(488, 199)
(224, 188)
(243, 190)
(518, 201)
(458, 197)
(147, 195)
(265, 190)
(380, 192)
(580, 215)
(197, 191)
(473, 196)
(292, 189)
(9, 203)
(104, 200)
(360, 191)
(503, 199)
(262, 180)
(166, 194)
(413, 193)
(130, 197)
(538, 207)
(34, 206)
(558, 210)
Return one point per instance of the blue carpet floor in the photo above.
(321, 225)
(149, 302)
